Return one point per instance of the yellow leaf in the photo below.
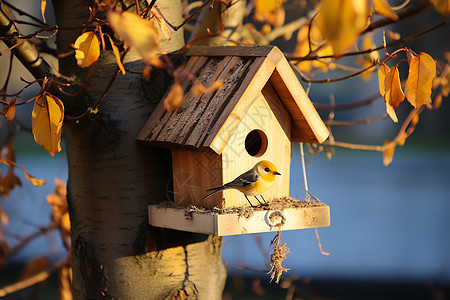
(341, 22)
(422, 70)
(382, 71)
(265, 6)
(47, 119)
(174, 99)
(391, 112)
(34, 180)
(117, 55)
(43, 6)
(10, 111)
(369, 58)
(437, 101)
(4, 219)
(137, 32)
(442, 6)
(393, 36)
(382, 7)
(388, 153)
(65, 222)
(415, 120)
(87, 49)
(393, 93)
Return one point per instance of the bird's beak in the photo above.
(276, 173)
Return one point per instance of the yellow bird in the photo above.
(254, 182)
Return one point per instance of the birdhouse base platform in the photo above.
(241, 220)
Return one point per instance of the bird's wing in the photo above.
(246, 179)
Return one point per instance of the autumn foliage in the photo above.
(324, 39)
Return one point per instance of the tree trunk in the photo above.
(112, 179)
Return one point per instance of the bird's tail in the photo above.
(214, 190)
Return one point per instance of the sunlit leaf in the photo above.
(34, 180)
(393, 36)
(117, 55)
(87, 49)
(442, 6)
(174, 99)
(382, 71)
(388, 153)
(137, 32)
(391, 112)
(10, 111)
(369, 58)
(43, 6)
(198, 89)
(341, 22)
(422, 70)
(437, 101)
(4, 219)
(65, 283)
(382, 7)
(47, 119)
(270, 12)
(263, 6)
(393, 93)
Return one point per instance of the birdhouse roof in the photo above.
(210, 119)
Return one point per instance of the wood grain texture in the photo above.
(193, 173)
(233, 224)
(243, 51)
(236, 160)
(210, 120)
(307, 126)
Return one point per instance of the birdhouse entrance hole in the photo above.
(256, 143)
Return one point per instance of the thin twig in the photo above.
(175, 28)
(24, 13)
(379, 148)
(352, 123)
(401, 41)
(345, 106)
(24, 241)
(39, 277)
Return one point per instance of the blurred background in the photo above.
(389, 235)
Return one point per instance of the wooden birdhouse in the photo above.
(217, 135)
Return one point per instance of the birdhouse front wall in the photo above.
(236, 160)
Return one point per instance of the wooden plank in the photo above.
(195, 112)
(193, 173)
(233, 114)
(232, 224)
(308, 126)
(230, 50)
(236, 159)
(231, 84)
(278, 108)
(156, 120)
(173, 119)
(175, 218)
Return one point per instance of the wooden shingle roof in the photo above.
(209, 120)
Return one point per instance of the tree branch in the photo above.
(39, 277)
(22, 49)
(407, 12)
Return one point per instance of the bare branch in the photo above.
(22, 49)
(39, 277)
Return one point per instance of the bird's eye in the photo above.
(267, 169)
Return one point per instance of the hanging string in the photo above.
(305, 182)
